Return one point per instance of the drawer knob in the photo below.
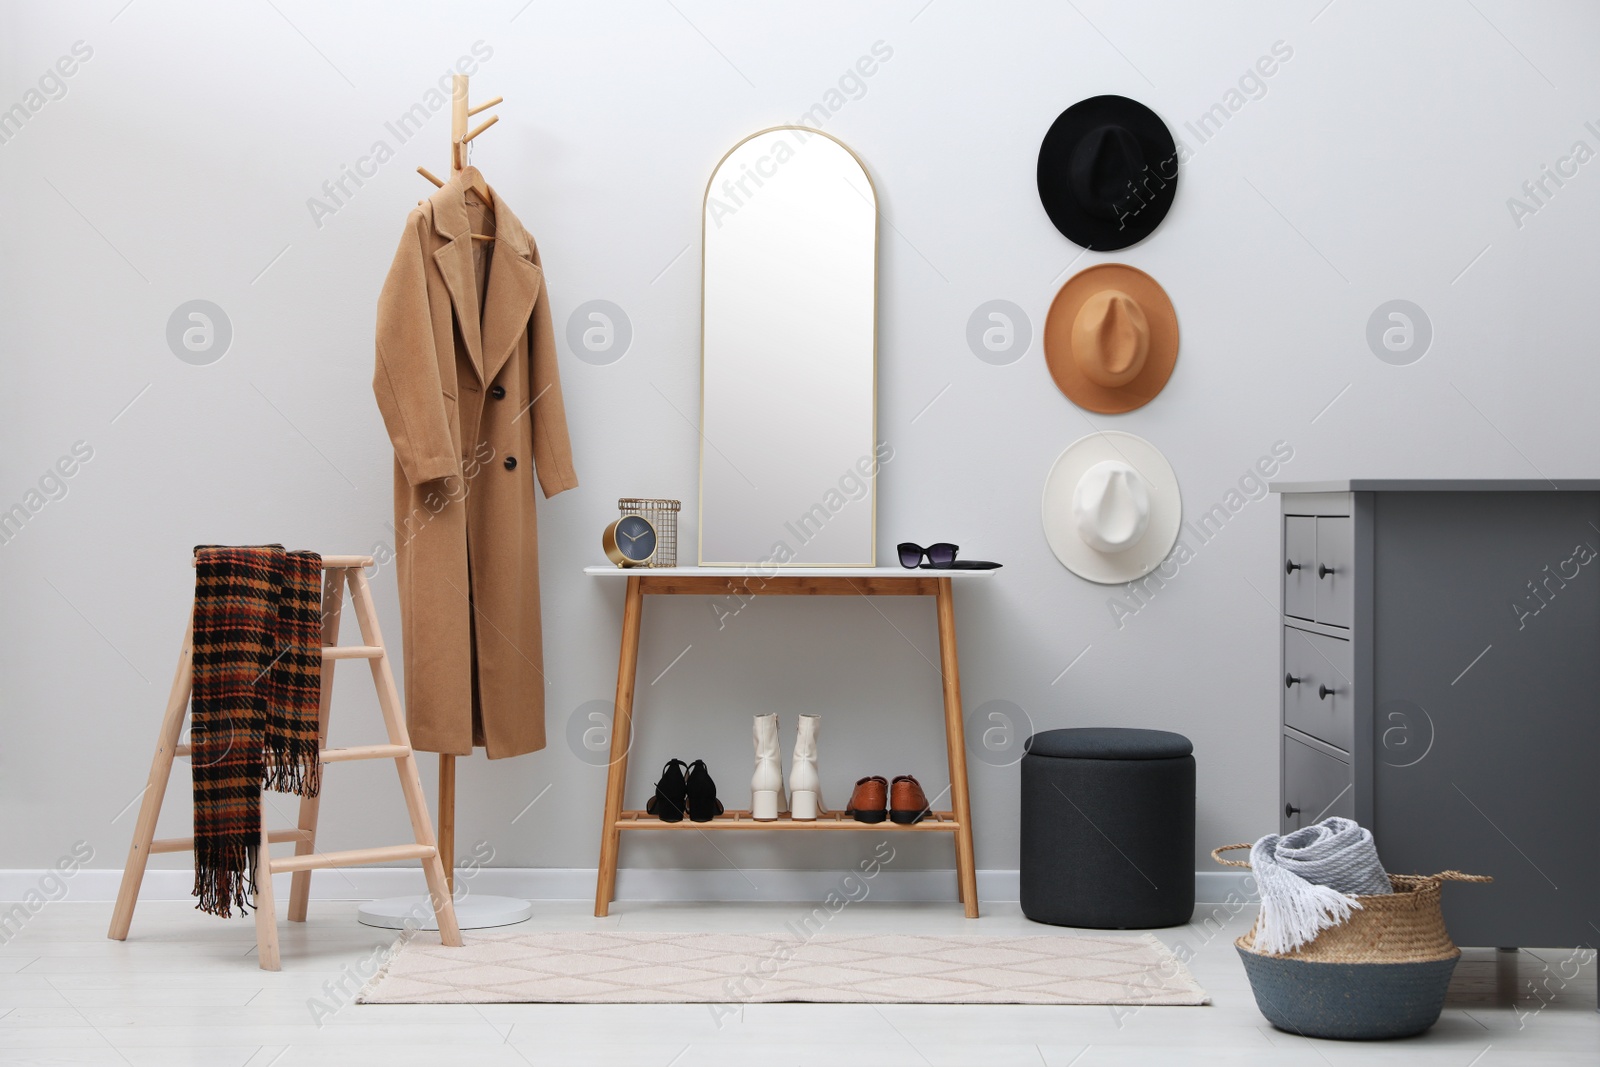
(1290, 681)
(1323, 692)
(1323, 570)
(1290, 566)
(1290, 811)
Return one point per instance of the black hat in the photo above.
(1108, 172)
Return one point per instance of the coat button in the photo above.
(498, 392)
(511, 463)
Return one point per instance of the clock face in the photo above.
(636, 538)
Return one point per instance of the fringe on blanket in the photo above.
(1309, 880)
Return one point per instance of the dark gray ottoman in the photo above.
(1108, 828)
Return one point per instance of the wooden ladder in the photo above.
(338, 572)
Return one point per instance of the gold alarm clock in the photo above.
(630, 541)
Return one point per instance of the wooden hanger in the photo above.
(472, 178)
(460, 137)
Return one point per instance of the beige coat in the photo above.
(471, 395)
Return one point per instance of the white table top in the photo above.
(609, 571)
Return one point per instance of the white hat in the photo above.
(1111, 507)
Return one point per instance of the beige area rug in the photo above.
(612, 967)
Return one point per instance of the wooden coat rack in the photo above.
(478, 910)
(460, 137)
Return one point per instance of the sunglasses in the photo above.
(942, 554)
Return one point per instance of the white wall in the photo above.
(178, 164)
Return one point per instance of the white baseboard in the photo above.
(577, 883)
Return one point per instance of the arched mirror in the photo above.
(789, 357)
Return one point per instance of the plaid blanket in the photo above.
(254, 709)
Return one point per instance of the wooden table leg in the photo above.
(621, 739)
(956, 746)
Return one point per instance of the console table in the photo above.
(809, 581)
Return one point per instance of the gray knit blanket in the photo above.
(1309, 880)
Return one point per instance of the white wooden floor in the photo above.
(184, 989)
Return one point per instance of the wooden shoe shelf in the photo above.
(813, 581)
(934, 821)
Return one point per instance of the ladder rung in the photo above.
(339, 563)
(336, 563)
(352, 652)
(353, 858)
(339, 755)
(186, 844)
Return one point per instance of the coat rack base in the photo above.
(474, 911)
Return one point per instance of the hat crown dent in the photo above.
(1111, 506)
(1103, 170)
(1110, 338)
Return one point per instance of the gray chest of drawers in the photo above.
(1440, 683)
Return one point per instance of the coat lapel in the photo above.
(455, 265)
(515, 282)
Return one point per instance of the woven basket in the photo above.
(1381, 973)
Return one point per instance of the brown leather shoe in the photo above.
(908, 802)
(870, 800)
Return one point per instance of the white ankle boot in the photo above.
(766, 785)
(805, 788)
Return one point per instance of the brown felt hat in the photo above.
(1111, 338)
